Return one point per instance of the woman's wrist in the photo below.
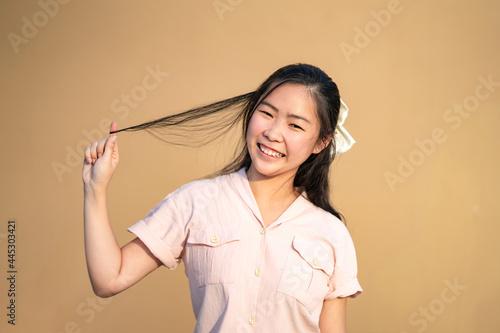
(94, 191)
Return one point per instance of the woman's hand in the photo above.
(101, 160)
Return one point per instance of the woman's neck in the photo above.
(272, 188)
(273, 195)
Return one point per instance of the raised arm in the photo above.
(111, 269)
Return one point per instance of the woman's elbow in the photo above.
(104, 291)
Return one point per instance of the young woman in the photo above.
(263, 248)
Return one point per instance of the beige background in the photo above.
(436, 225)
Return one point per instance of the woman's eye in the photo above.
(297, 127)
(266, 113)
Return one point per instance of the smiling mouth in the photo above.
(269, 152)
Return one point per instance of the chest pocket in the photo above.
(306, 273)
(212, 253)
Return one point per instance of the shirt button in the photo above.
(257, 272)
(316, 262)
(251, 320)
(262, 231)
(214, 239)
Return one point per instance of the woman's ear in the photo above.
(322, 144)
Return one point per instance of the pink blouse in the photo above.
(244, 277)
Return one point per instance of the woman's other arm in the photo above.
(333, 316)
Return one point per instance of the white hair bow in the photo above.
(343, 140)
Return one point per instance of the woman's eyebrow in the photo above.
(270, 105)
(292, 115)
(297, 116)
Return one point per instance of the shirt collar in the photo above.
(239, 180)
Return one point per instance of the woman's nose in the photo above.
(275, 132)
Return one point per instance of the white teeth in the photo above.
(270, 153)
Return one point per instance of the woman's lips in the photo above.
(270, 152)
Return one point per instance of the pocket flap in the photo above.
(316, 254)
(213, 235)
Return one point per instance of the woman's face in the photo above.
(283, 132)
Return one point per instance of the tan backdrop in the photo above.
(420, 189)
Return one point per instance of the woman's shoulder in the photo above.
(329, 223)
(206, 185)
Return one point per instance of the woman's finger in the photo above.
(100, 147)
(87, 156)
(112, 128)
(93, 153)
(111, 145)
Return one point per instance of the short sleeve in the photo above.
(164, 229)
(344, 280)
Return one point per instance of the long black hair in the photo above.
(205, 124)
